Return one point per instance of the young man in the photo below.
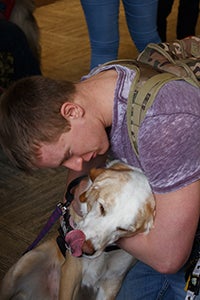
(47, 123)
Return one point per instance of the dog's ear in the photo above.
(120, 167)
(145, 217)
(95, 172)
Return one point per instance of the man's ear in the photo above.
(71, 110)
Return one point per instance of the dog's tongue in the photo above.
(75, 240)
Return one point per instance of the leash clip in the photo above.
(193, 283)
(63, 207)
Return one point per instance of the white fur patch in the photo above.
(120, 202)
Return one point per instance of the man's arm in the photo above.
(168, 245)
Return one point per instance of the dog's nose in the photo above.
(88, 248)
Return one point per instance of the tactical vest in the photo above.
(155, 66)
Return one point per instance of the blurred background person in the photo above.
(188, 12)
(16, 57)
(102, 17)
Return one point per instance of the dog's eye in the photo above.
(121, 229)
(102, 209)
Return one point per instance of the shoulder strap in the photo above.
(146, 84)
(140, 101)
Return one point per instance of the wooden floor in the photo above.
(65, 42)
(27, 201)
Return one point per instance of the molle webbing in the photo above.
(144, 88)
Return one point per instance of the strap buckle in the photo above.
(193, 282)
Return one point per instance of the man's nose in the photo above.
(87, 157)
(75, 163)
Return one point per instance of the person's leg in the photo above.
(164, 9)
(14, 41)
(102, 21)
(188, 13)
(144, 283)
(141, 18)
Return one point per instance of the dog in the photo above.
(119, 204)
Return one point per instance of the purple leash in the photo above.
(51, 221)
(59, 211)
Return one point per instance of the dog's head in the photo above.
(119, 203)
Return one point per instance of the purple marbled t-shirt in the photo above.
(169, 136)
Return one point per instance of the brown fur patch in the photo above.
(83, 197)
(88, 247)
(94, 173)
(145, 215)
(120, 166)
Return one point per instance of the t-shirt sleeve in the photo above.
(169, 150)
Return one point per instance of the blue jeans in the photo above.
(144, 283)
(102, 17)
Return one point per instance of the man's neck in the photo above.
(96, 94)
